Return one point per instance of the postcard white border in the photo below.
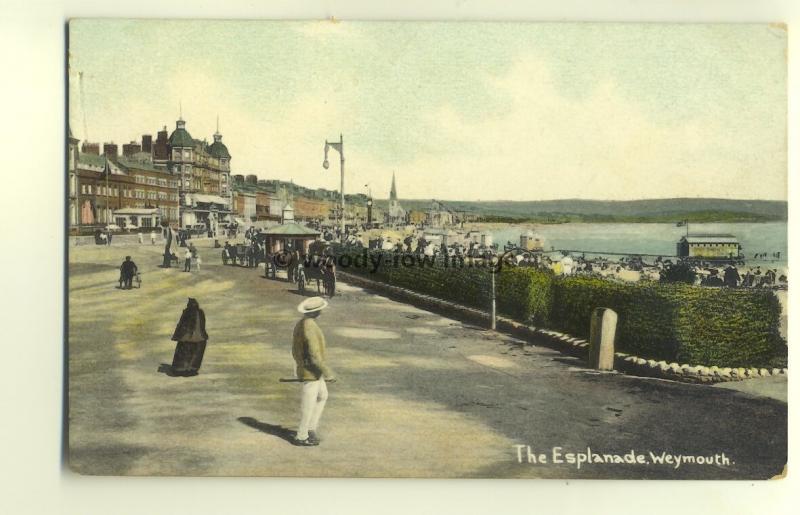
(32, 480)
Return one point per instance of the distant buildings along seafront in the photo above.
(187, 183)
(176, 178)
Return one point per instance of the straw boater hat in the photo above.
(312, 304)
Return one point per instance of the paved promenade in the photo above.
(419, 395)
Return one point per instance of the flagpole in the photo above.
(108, 213)
(341, 168)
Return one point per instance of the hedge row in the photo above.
(672, 322)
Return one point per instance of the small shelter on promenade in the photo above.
(288, 236)
(135, 217)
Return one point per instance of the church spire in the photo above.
(393, 191)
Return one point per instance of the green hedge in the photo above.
(672, 322)
(729, 326)
(526, 294)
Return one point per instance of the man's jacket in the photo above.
(308, 350)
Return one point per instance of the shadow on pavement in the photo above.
(270, 429)
(166, 368)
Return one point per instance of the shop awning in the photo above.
(136, 211)
(209, 199)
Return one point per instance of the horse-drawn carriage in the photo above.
(295, 249)
(320, 268)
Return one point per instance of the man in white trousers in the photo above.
(308, 350)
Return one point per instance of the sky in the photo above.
(458, 111)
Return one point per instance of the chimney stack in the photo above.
(110, 150)
(90, 148)
(147, 143)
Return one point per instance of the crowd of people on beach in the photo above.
(629, 268)
(698, 273)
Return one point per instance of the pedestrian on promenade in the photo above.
(294, 262)
(226, 253)
(197, 260)
(191, 336)
(308, 350)
(152, 237)
(169, 238)
(108, 239)
(187, 260)
(139, 237)
(127, 270)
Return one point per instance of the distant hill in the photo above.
(654, 210)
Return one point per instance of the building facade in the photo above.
(709, 246)
(99, 186)
(186, 181)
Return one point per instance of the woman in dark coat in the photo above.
(191, 337)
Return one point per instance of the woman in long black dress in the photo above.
(191, 337)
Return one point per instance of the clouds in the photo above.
(461, 111)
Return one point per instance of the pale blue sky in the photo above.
(459, 110)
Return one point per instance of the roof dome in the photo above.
(218, 148)
(180, 137)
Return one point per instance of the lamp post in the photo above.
(339, 147)
(369, 203)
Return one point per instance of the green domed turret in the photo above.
(218, 149)
(180, 137)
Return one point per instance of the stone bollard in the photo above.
(601, 339)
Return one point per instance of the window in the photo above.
(151, 181)
(147, 222)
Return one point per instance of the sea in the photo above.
(603, 239)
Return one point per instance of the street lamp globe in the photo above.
(325, 164)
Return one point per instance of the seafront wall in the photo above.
(721, 327)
